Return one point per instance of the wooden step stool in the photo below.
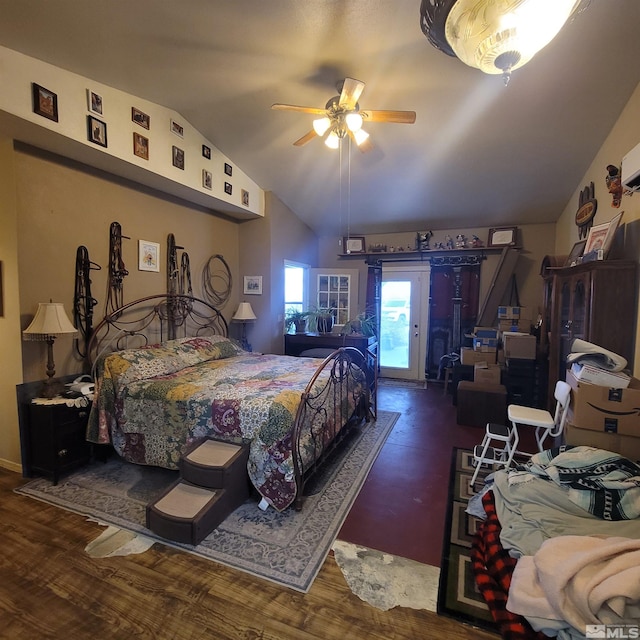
(213, 483)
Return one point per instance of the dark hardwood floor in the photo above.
(49, 588)
(402, 506)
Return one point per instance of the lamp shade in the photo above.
(244, 313)
(51, 320)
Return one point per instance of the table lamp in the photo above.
(50, 321)
(244, 314)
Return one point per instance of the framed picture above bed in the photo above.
(148, 256)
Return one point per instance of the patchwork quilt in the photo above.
(151, 403)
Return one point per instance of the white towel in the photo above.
(578, 580)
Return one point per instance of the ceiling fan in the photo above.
(342, 117)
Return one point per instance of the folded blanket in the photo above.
(587, 352)
(603, 483)
(575, 581)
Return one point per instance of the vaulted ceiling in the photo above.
(479, 154)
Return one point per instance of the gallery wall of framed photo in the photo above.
(175, 156)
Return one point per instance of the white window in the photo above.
(296, 287)
(337, 290)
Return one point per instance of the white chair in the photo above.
(546, 424)
(488, 453)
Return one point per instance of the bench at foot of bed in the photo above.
(213, 483)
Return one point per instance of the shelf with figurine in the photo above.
(425, 250)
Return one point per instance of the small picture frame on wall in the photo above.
(177, 128)
(244, 197)
(253, 285)
(97, 131)
(177, 157)
(148, 256)
(45, 102)
(228, 169)
(140, 146)
(207, 179)
(94, 102)
(503, 237)
(353, 244)
(140, 118)
(228, 189)
(206, 152)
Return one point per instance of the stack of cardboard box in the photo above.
(605, 411)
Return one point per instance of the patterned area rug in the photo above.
(287, 548)
(458, 596)
(404, 384)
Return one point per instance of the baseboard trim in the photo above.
(10, 466)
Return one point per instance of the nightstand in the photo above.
(52, 435)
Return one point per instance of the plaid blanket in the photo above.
(601, 482)
(493, 567)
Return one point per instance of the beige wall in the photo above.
(10, 342)
(623, 137)
(62, 205)
(264, 246)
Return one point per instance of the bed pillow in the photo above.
(166, 358)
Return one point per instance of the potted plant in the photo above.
(363, 324)
(297, 319)
(321, 320)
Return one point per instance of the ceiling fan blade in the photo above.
(294, 107)
(351, 91)
(400, 117)
(305, 138)
(365, 146)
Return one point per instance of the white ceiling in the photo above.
(479, 154)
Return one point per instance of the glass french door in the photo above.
(403, 322)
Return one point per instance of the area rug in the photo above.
(404, 384)
(287, 548)
(458, 596)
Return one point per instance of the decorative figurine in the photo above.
(461, 241)
(614, 184)
(476, 243)
(448, 241)
(422, 240)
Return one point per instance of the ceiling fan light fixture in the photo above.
(320, 125)
(495, 36)
(333, 140)
(360, 136)
(353, 121)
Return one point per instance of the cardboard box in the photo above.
(605, 409)
(485, 332)
(628, 446)
(487, 373)
(594, 375)
(470, 356)
(522, 326)
(479, 344)
(514, 313)
(520, 346)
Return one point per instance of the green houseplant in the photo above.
(295, 319)
(321, 320)
(363, 324)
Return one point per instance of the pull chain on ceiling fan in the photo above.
(342, 117)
